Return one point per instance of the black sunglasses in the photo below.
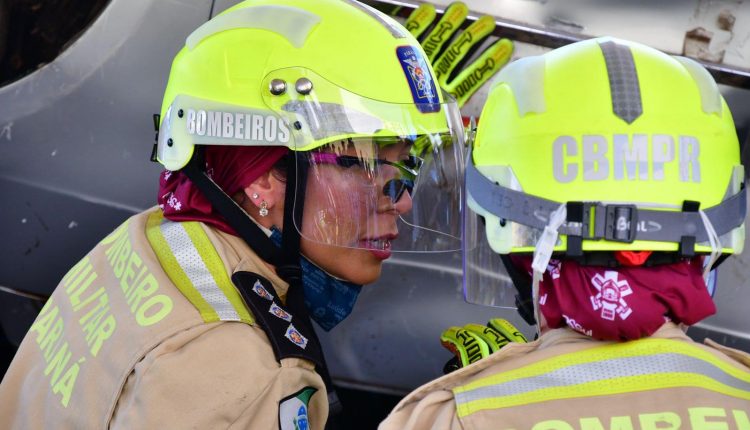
(394, 188)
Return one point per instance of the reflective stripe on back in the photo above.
(623, 81)
(648, 364)
(190, 260)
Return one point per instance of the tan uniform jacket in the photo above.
(568, 381)
(148, 332)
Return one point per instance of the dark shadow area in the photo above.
(7, 350)
(364, 410)
(35, 32)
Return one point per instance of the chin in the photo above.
(363, 274)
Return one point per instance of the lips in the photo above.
(379, 247)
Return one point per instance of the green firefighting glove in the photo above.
(473, 342)
(452, 73)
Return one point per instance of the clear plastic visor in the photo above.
(486, 280)
(384, 193)
(381, 176)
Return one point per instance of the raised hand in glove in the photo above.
(473, 342)
(453, 74)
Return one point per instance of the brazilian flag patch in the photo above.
(293, 410)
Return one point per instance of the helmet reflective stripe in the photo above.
(340, 119)
(616, 222)
(615, 369)
(292, 23)
(192, 263)
(623, 81)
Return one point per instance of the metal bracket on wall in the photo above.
(520, 32)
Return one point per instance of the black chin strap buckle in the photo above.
(687, 243)
(577, 213)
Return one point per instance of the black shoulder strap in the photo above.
(289, 335)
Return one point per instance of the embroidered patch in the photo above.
(610, 298)
(276, 311)
(423, 88)
(295, 336)
(261, 291)
(293, 410)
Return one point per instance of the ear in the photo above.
(268, 188)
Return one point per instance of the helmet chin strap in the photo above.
(288, 267)
(287, 259)
(235, 216)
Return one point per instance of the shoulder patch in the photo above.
(293, 410)
(288, 337)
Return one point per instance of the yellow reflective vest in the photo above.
(568, 381)
(148, 331)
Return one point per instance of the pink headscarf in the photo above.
(232, 168)
(624, 303)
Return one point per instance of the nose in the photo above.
(404, 204)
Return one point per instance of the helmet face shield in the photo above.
(486, 280)
(384, 194)
(381, 176)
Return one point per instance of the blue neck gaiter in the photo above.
(328, 299)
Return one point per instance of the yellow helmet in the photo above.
(638, 146)
(293, 73)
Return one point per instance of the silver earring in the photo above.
(263, 208)
(255, 195)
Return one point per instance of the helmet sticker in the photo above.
(423, 89)
(252, 127)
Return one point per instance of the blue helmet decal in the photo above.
(424, 92)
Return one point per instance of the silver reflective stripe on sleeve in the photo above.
(685, 368)
(194, 267)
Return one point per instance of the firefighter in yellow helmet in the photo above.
(603, 187)
(291, 176)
